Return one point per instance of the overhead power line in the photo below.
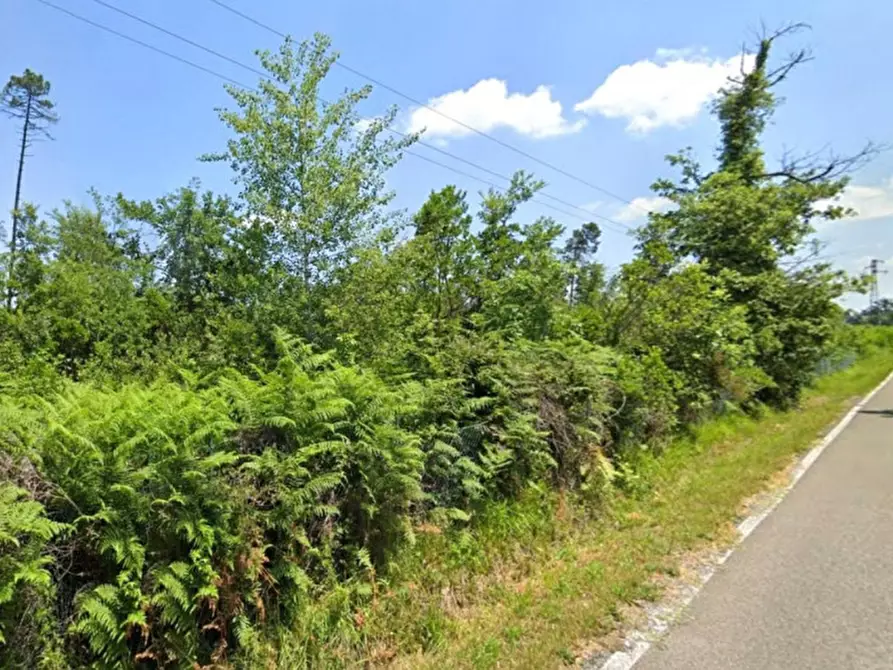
(214, 73)
(612, 224)
(490, 183)
(264, 75)
(177, 36)
(219, 75)
(146, 45)
(439, 112)
(588, 215)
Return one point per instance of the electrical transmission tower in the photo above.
(874, 269)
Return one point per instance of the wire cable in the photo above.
(622, 229)
(490, 183)
(235, 82)
(415, 101)
(618, 227)
(264, 75)
(186, 61)
(100, 26)
(177, 36)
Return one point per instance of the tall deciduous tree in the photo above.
(498, 242)
(446, 248)
(521, 278)
(25, 98)
(195, 232)
(310, 171)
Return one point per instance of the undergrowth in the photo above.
(565, 579)
(294, 428)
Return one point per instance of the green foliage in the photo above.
(702, 335)
(879, 314)
(27, 636)
(25, 97)
(210, 269)
(444, 248)
(741, 220)
(23, 530)
(72, 271)
(586, 277)
(233, 431)
(309, 178)
(506, 416)
(198, 512)
(648, 411)
(864, 340)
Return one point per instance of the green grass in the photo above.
(540, 578)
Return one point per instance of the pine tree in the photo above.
(25, 97)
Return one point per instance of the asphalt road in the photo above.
(812, 587)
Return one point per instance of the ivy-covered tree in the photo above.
(742, 219)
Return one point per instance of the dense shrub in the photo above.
(200, 510)
(226, 424)
(199, 513)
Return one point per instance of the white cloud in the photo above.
(650, 94)
(639, 208)
(361, 126)
(670, 54)
(593, 206)
(869, 202)
(488, 105)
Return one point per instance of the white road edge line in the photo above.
(640, 641)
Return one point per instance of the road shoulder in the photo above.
(760, 611)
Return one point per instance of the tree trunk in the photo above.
(15, 206)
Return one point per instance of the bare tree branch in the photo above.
(788, 29)
(794, 59)
(812, 167)
(815, 248)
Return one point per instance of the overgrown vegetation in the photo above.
(879, 314)
(565, 582)
(242, 431)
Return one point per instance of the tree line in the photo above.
(223, 420)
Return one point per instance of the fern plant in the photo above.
(26, 588)
(203, 511)
(208, 514)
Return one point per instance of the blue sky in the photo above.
(603, 90)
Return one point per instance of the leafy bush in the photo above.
(186, 481)
(200, 513)
(27, 634)
(701, 335)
